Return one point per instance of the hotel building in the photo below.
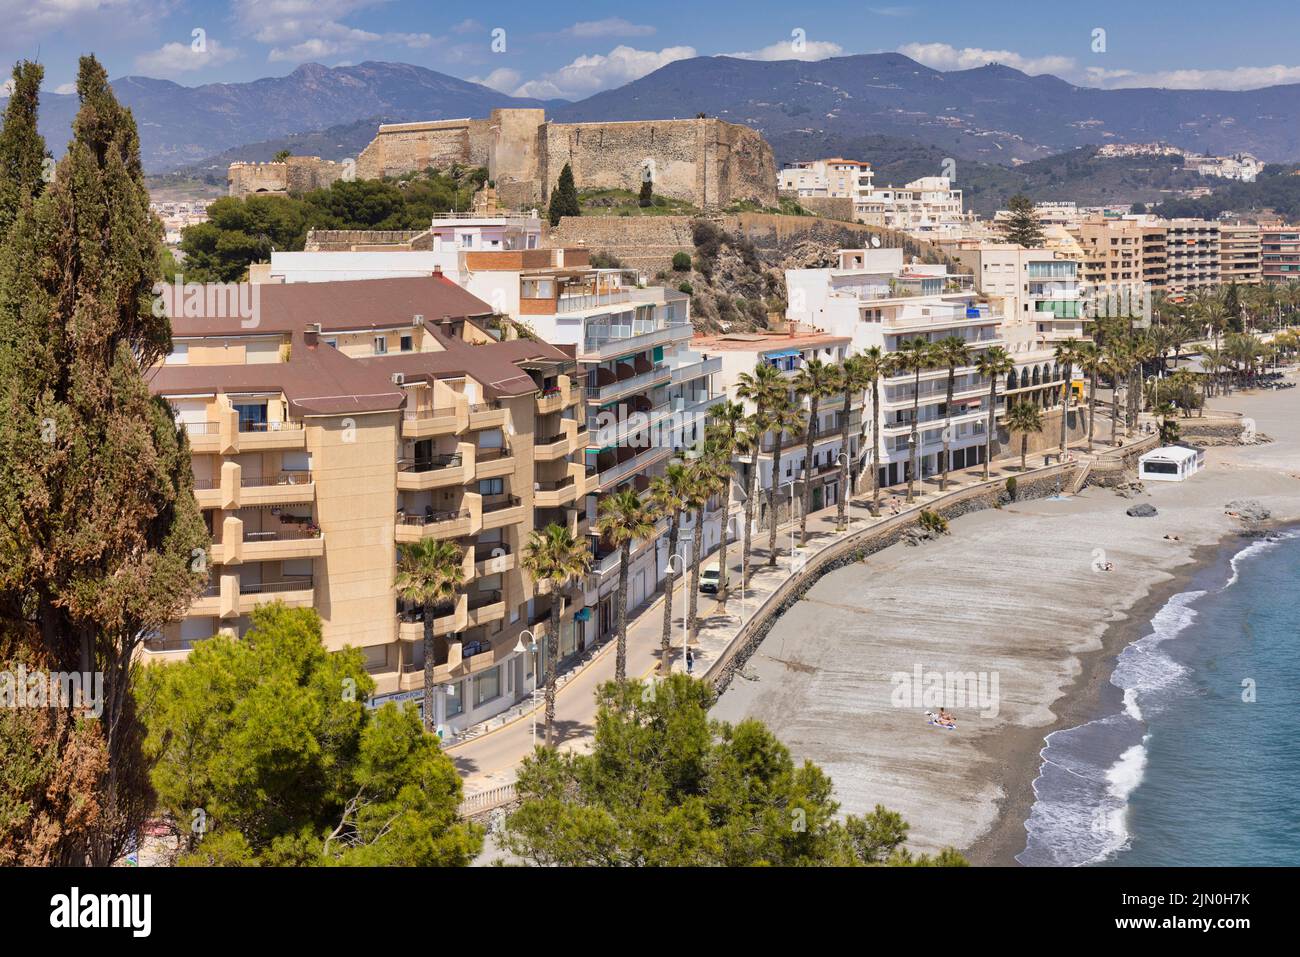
(1240, 251)
(1192, 256)
(1279, 253)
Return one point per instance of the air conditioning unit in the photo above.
(399, 378)
(314, 327)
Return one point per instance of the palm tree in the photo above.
(708, 475)
(1092, 359)
(1066, 354)
(622, 518)
(554, 555)
(1024, 417)
(914, 356)
(430, 574)
(668, 498)
(1141, 351)
(951, 352)
(815, 381)
(783, 417)
(730, 436)
(876, 365)
(760, 388)
(852, 380)
(993, 363)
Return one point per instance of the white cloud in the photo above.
(609, 27)
(503, 80)
(944, 56)
(788, 50)
(7, 87)
(173, 58)
(892, 11)
(299, 30)
(591, 74)
(66, 88)
(468, 26)
(24, 16)
(1238, 78)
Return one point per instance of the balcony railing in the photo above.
(430, 517)
(591, 300)
(554, 486)
(429, 413)
(304, 583)
(510, 501)
(432, 464)
(285, 426)
(483, 599)
(282, 534)
(203, 428)
(279, 478)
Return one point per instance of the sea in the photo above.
(1196, 761)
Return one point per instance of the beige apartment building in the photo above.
(332, 422)
(1240, 254)
(1191, 256)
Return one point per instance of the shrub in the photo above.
(932, 521)
(1011, 488)
(681, 262)
(686, 288)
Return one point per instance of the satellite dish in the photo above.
(875, 242)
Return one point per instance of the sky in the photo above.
(573, 50)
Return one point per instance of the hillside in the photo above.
(181, 125)
(1276, 191)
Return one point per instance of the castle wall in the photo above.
(297, 174)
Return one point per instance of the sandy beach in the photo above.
(1014, 601)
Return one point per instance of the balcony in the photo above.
(631, 465)
(204, 436)
(487, 415)
(294, 592)
(555, 494)
(486, 607)
(601, 348)
(208, 604)
(493, 463)
(436, 471)
(659, 375)
(557, 397)
(592, 301)
(552, 447)
(267, 436)
(207, 492)
(508, 510)
(280, 488)
(448, 619)
(426, 423)
(709, 365)
(438, 525)
(498, 561)
(281, 544)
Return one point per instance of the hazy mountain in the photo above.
(180, 125)
(993, 113)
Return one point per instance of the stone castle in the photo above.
(704, 161)
(296, 174)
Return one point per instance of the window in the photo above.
(494, 486)
(179, 356)
(455, 699)
(381, 345)
(407, 343)
(487, 685)
(332, 343)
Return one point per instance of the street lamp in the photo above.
(843, 460)
(668, 567)
(802, 474)
(530, 648)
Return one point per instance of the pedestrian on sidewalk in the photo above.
(690, 661)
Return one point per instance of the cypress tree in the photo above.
(1022, 226)
(101, 540)
(22, 149)
(564, 198)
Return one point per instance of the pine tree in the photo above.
(564, 198)
(1022, 226)
(22, 149)
(647, 197)
(101, 540)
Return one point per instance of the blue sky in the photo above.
(574, 50)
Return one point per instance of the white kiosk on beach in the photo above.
(1172, 463)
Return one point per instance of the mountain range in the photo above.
(993, 114)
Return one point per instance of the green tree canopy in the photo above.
(666, 786)
(265, 753)
(1022, 226)
(564, 198)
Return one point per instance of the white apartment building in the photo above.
(835, 178)
(874, 299)
(929, 208)
(789, 352)
(1039, 287)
